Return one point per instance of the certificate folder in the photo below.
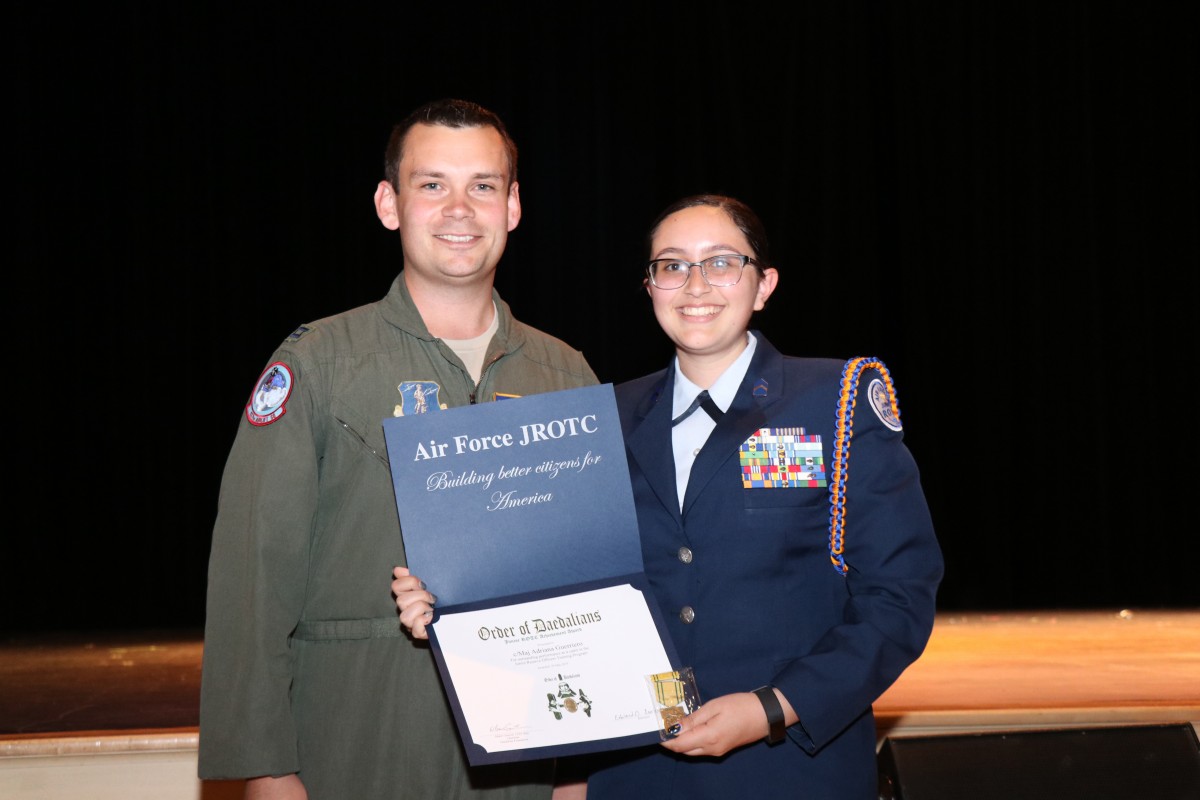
(518, 514)
(517, 495)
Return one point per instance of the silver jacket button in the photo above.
(685, 555)
(687, 614)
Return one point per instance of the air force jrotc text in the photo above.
(530, 434)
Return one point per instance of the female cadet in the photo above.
(784, 531)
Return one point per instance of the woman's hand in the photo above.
(414, 601)
(723, 724)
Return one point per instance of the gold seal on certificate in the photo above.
(674, 696)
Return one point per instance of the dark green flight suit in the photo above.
(306, 668)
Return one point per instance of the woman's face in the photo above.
(707, 322)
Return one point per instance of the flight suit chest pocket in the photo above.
(353, 423)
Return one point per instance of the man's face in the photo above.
(452, 205)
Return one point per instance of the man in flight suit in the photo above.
(310, 688)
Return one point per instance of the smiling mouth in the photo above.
(455, 238)
(699, 311)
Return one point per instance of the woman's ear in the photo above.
(766, 285)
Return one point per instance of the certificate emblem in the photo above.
(568, 699)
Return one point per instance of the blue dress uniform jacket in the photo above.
(749, 593)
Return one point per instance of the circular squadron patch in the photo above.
(269, 400)
(883, 404)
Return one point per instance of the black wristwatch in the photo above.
(770, 703)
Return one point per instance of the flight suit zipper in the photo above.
(483, 375)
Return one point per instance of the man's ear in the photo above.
(514, 206)
(385, 206)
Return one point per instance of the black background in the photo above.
(997, 200)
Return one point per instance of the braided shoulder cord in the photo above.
(851, 373)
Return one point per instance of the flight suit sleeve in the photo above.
(258, 568)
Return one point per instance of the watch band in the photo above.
(770, 703)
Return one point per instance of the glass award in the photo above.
(674, 696)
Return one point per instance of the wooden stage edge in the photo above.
(982, 672)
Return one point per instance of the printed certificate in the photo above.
(557, 674)
(518, 514)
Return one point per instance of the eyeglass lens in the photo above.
(722, 270)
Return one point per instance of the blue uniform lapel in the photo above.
(747, 414)
(649, 443)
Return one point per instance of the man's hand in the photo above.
(414, 601)
(288, 787)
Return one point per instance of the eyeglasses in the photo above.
(673, 273)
